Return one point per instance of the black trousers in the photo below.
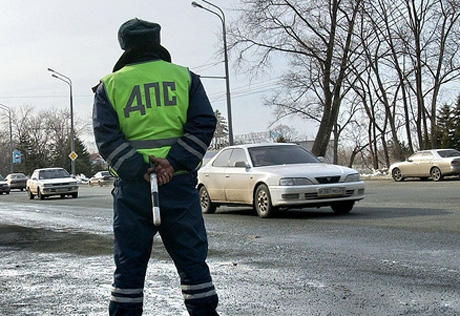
(184, 236)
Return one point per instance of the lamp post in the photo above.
(4, 107)
(67, 80)
(221, 16)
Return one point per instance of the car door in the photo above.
(237, 184)
(425, 164)
(411, 166)
(33, 183)
(213, 177)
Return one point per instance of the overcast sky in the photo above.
(79, 39)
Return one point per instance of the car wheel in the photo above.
(436, 174)
(40, 195)
(397, 175)
(207, 207)
(263, 202)
(343, 207)
(75, 195)
(62, 196)
(30, 194)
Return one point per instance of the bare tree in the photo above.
(317, 39)
(43, 139)
(390, 59)
(409, 54)
(430, 44)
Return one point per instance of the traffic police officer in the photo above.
(150, 110)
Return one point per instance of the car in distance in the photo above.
(271, 177)
(101, 178)
(16, 181)
(4, 188)
(51, 181)
(434, 163)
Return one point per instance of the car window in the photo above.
(223, 158)
(1, 178)
(280, 155)
(416, 156)
(449, 153)
(428, 155)
(53, 174)
(237, 155)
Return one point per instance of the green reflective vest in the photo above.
(151, 100)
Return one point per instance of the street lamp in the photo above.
(4, 107)
(67, 80)
(221, 16)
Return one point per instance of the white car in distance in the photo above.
(51, 181)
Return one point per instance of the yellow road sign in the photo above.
(73, 155)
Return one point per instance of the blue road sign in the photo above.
(16, 157)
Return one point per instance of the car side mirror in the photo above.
(240, 164)
(321, 159)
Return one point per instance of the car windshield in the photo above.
(280, 155)
(53, 174)
(1, 178)
(449, 153)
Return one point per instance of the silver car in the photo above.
(16, 181)
(276, 176)
(101, 178)
(434, 163)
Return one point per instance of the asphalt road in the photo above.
(396, 253)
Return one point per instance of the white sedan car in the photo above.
(424, 164)
(274, 176)
(51, 181)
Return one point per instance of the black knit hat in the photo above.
(136, 32)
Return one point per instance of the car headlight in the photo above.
(354, 177)
(294, 181)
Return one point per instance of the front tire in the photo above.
(436, 174)
(343, 207)
(397, 175)
(40, 195)
(207, 207)
(263, 202)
